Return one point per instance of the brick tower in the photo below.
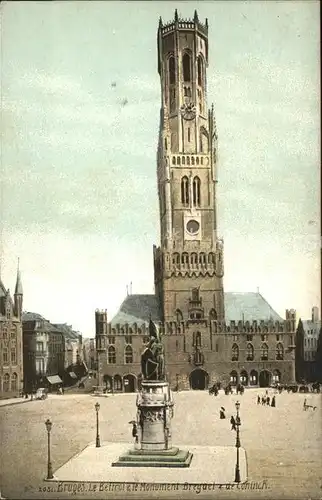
(188, 265)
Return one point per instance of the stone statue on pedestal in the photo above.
(154, 404)
(152, 358)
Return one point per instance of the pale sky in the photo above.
(78, 169)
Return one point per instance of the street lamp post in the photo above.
(98, 442)
(237, 471)
(50, 474)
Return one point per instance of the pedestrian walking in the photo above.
(304, 405)
(273, 403)
(263, 400)
(135, 433)
(258, 400)
(268, 400)
(222, 413)
(233, 423)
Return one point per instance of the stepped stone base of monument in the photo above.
(158, 458)
(210, 464)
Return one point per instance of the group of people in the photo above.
(266, 400)
(233, 420)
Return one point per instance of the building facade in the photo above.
(89, 354)
(207, 337)
(43, 351)
(73, 344)
(312, 328)
(11, 351)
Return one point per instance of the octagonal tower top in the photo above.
(170, 31)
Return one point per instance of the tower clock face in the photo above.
(193, 226)
(188, 111)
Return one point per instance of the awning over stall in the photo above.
(54, 379)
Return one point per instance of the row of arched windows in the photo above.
(196, 191)
(7, 386)
(183, 160)
(279, 353)
(194, 259)
(111, 354)
(186, 69)
(253, 377)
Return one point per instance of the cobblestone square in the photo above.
(283, 444)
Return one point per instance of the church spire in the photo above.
(18, 296)
(18, 289)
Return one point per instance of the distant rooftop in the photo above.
(46, 326)
(67, 330)
(247, 306)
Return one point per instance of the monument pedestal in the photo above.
(154, 413)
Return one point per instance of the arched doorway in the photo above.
(253, 377)
(243, 377)
(198, 379)
(107, 379)
(264, 378)
(129, 383)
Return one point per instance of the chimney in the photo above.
(315, 314)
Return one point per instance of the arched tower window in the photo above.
(234, 352)
(172, 70)
(196, 191)
(198, 339)
(111, 355)
(128, 354)
(213, 315)
(279, 351)
(179, 316)
(185, 191)
(264, 352)
(250, 352)
(200, 71)
(186, 66)
(194, 259)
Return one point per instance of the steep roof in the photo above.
(45, 326)
(247, 306)
(67, 330)
(31, 316)
(137, 309)
(3, 290)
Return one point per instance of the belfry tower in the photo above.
(188, 265)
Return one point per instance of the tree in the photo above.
(318, 357)
(299, 352)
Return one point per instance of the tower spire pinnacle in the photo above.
(176, 18)
(18, 289)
